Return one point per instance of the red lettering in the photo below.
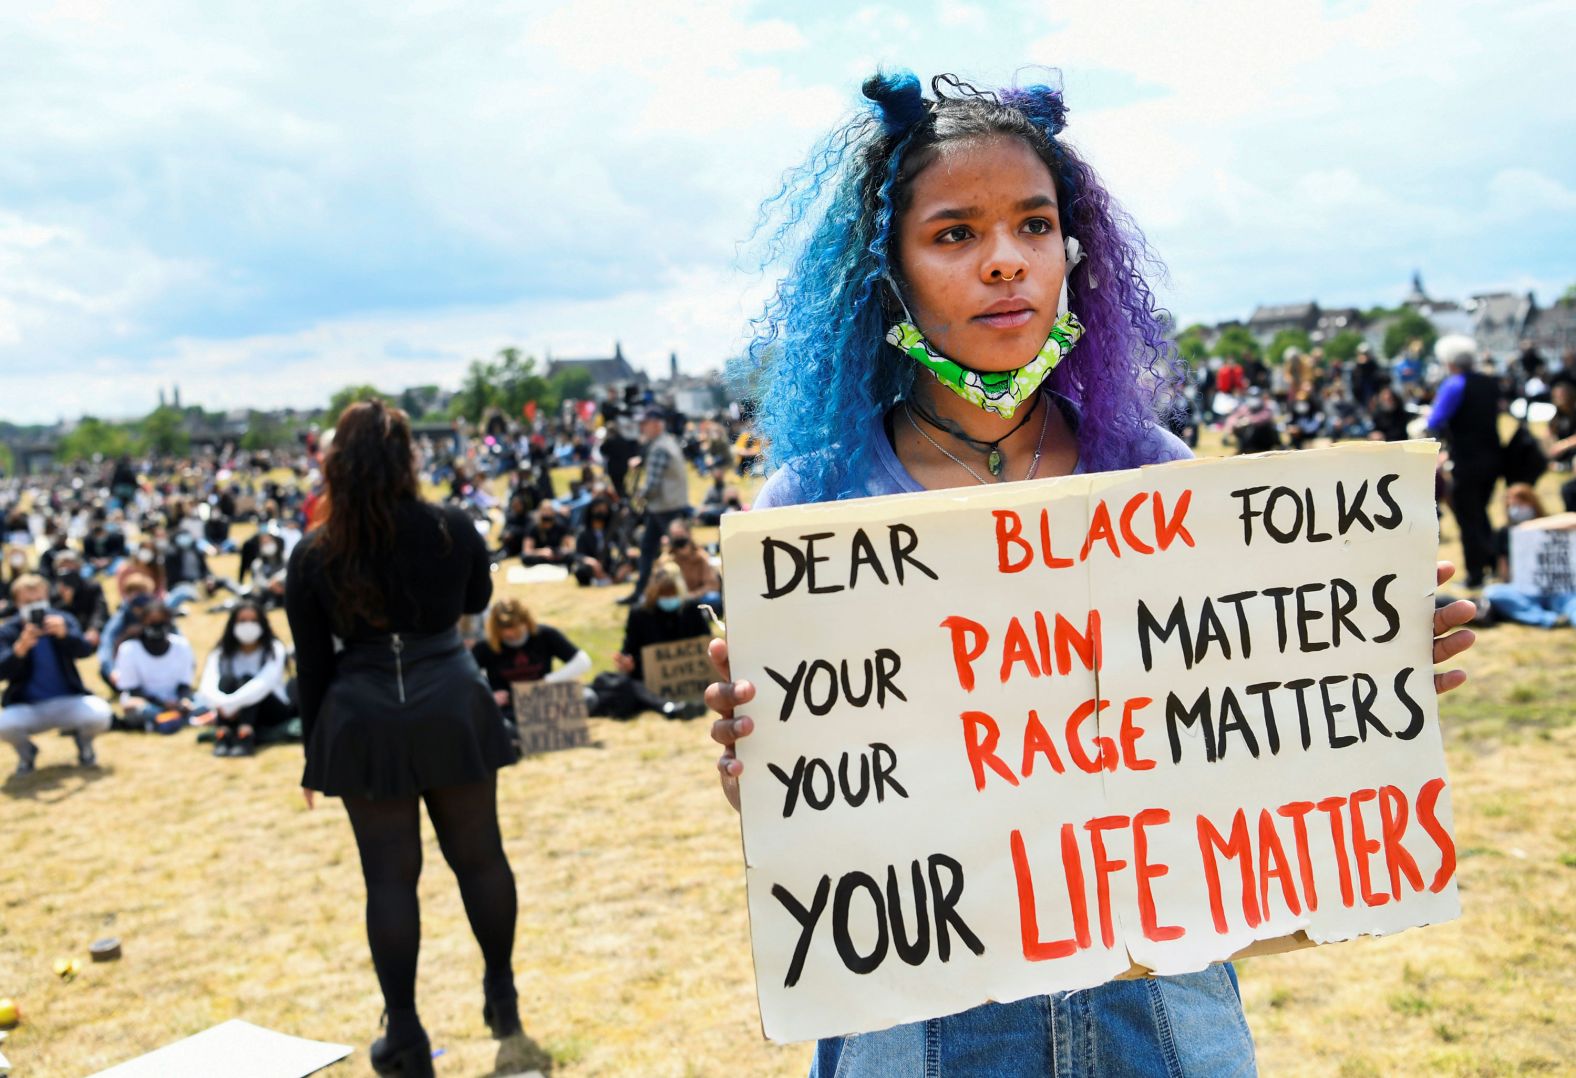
(964, 654)
(1364, 847)
(1103, 867)
(1237, 846)
(1271, 850)
(1125, 522)
(1037, 742)
(1130, 734)
(1428, 819)
(1075, 746)
(1035, 949)
(1392, 827)
(1051, 560)
(1167, 531)
(1100, 528)
(1009, 530)
(1086, 645)
(1297, 812)
(1015, 649)
(1331, 807)
(980, 734)
(1147, 870)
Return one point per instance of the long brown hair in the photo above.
(369, 469)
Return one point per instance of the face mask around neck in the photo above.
(994, 391)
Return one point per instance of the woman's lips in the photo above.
(1006, 319)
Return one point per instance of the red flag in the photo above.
(530, 410)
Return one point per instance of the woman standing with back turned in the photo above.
(402, 714)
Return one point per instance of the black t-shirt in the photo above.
(549, 539)
(529, 662)
(657, 626)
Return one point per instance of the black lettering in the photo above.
(1346, 516)
(885, 762)
(769, 547)
(1392, 617)
(856, 962)
(1262, 690)
(1245, 635)
(1277, 534)
(848, 690)
(1343, 600)
(1199, 713)
(821, 666)
(792, 782)
(1248, 512)
(1365, 690)
(811, 561)
(1231, 718)
(864, 780)
(1210, 628)
(1176, 623)
(864, 553)
(790, 689)
(946, 907)
(1414, 727)
(808, 784)
(903, 543)
(1305, 614)
(1314, 534)
(887, 665)
(916, 952)
(1298, 686)
(1393, 520)
(1279, 595)
(806, 918)
(1331, 709)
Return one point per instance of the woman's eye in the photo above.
(1039, 226)
(955, 234)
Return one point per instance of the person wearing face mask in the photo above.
(39, 647)
(153, 670)
(104, 548)
(518, 648)
(263, 568)
(186, 572)
(599, 557)
(663, 615)
(245, 682)
(136, 593)
(80, 597)
(15, 565)
(144, 561)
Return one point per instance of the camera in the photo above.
(36, 617)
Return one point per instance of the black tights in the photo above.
(388, 834)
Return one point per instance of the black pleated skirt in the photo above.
(403, 715)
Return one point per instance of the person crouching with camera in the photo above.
(39, 648)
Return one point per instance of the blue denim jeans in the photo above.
(1531, 607)
(1170, 1027)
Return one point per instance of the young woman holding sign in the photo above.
(969, 306)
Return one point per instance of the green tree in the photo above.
(164, 433)
(478, 392)
(92, 438)
(263, 431)
(1570, 294)
(348, 395)
(1375, 314)
(1409, 326)
(7, 461)
(1190, 344)
(1288, 338)
(1237, 341)
(570, 384)
(1343, 346)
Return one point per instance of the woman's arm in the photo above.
(478, 584)
(576, 668)
(310, 623)
(261, 684)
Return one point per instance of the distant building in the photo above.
(613, 370)
(1266, 321)
(1553, 329)
(1334, 320)
(1500, 320)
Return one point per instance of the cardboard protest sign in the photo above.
(1543, 554)
(679, 669)
(1017, 739)
(551, 715)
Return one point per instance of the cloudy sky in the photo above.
(264, 202)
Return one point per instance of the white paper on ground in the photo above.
(235, 1049)
(536, 574)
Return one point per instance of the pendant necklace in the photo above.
(994, 459)
(1034, 465)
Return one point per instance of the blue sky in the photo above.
(265, 202)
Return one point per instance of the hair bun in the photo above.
(898, 99)
(1041, 104)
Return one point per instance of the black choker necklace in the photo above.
(994, 459)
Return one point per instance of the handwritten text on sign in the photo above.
(551, 715)
(1015, 739)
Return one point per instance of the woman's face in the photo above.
(981, 252)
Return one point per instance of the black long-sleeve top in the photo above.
(438, 570)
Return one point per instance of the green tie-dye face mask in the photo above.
(995, 391)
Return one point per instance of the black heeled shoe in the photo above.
(501, 1012)
(413, 1059)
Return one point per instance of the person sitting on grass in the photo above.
(153, 670)
(516, 648)
(548, 542)
(80, 596)
(702, 582)
(245, 681)
(136, 592)
(662, 616)
(39, 647)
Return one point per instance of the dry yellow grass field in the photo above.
(232, 900)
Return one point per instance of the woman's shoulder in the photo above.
(1157, 445)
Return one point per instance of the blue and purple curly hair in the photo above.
(818, 364)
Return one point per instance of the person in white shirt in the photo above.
(153, 670)
(245, 681)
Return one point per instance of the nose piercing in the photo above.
(1014, 277)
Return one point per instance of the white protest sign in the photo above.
(1016, 739)
(1543, 555)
